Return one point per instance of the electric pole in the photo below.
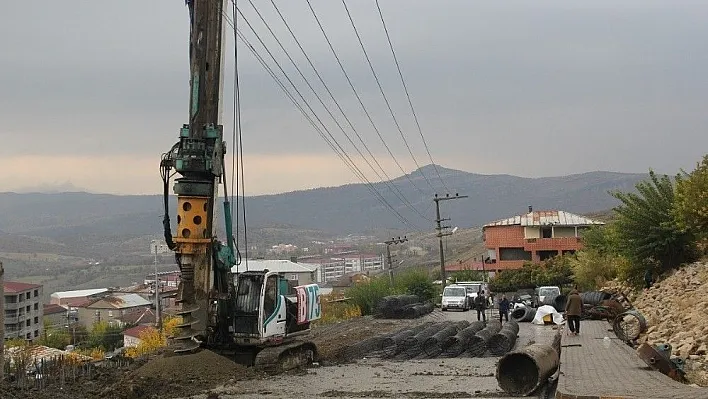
(439, 227)
(158, 319)
(388, 243)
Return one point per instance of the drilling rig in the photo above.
(252, 316)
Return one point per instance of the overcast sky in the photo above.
(93, 91)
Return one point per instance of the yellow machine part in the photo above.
(192, 234)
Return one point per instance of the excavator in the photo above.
(254, 317)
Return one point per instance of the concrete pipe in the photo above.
(503, 341)
(412, 346)
(389, 346)
(522, 372)
(455, 345)
(525, 314)
(559, 303)
(477, 344)
(433, 345)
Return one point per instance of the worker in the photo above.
(573, 310)
(480, 304)
(648, 277)
(503, 308)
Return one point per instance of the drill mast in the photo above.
(199, 158)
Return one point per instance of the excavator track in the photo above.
(277, 359)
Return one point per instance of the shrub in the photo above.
(691, 203)
(366, 295)
(647, 231)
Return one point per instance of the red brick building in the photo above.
(535, 236)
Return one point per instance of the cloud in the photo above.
(541, 88)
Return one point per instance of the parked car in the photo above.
(545, 293)
(455, 297)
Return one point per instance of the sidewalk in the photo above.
(599, 369)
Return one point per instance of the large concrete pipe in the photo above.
(389, 346)
(477, 344)
(522, 372)
(503, 341)
(455, 345)
(433, 345)
(413, 346)
(525, 314)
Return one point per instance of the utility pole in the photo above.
(2, 322)
(158, 319)
(388, 243)
(439, 227)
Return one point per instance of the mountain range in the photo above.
(100, 221)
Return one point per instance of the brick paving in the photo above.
(611, 370)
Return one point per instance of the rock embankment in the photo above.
(676, 310)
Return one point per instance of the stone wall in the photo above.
(676, 310)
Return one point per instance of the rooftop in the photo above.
(277, 265)
(53, 309)
(136, 331)
(147, 316)
(14, 287)
(120, 301)
(545, 218)
(79, 293)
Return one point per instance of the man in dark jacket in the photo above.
(503, 308)
(573, 310)
(480, 303)
(648, 278)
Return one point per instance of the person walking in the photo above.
(573, 310)
(480, 303)
(503, 308)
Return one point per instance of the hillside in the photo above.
(103, 226)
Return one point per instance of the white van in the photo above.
(455, 297)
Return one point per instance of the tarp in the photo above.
(547, 310)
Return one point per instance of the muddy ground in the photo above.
(376, 378)
(338, 374)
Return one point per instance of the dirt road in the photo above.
(376, 378)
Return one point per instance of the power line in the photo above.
(388, 149)
(334, 145)
(408, 96)
(383, 94)
(389, 181)
(238, 146)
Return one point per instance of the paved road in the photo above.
(376, 378)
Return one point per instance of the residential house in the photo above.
(131, 336)
(23, 310)
(72, 298)
(57, 315)
(111, 308)
(534, 236)
(144, 317)
(167, 279)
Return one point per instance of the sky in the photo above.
(94, 91)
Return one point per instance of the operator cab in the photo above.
(262, 312)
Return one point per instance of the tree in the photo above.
(646, 229)
(691, 204)
(467, 275)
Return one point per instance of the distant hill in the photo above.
(100, 221)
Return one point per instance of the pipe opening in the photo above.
(518, 373)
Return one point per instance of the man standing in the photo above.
(648, 280)
(480, 303)
(503, 308)
(573, 310)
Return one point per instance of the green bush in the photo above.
(691, 203)
(555, 271)
(415, 282)
(367, 295)
(647, 231)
